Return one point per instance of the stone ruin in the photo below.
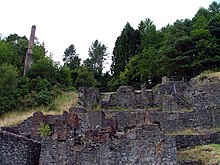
(169, 96)
(16, 149)
(95, 137)
(28, 57)
(125, 97)
(125, 130)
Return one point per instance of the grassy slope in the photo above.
(207, 75)
(208, 154)
(60, 104)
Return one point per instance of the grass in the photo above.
(208, 74)
(62, 103)
(195, 131)
(187, 132)
(208, 154)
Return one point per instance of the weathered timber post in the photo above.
(28, 58)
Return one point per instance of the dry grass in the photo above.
(60, 104)
(208, 154)
(186, 132)
(208, 74)
(195, 131)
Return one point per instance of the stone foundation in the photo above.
(142, 145)
(15, 149)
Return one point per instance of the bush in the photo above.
(27, 101)
(8, 87)
(44, 97)
(44, 130)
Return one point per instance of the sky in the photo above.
(60, 23)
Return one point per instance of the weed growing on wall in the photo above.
(44, 130)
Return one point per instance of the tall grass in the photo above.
(62, 103)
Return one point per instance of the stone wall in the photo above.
(125, 97)
(97, 137)
(120, 137)
(204, 94)
(15, 149)
(88, 97)
(142, 145)
(120, 120)
(79, 120)
(169, 96)
(185, 141)
(168, 121)
(177, 121)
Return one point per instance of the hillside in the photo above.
(119, 123)
(62, 103)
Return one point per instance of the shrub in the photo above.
(27, 101)
(8, 87)
(44, 97)
(44, 130)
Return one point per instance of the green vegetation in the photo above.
(183, 49)
(207, 75)
(196, 131)
(140, 56)
(61, 103)
(44, 130)
(207, 154)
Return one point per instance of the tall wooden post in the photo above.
(28, 58)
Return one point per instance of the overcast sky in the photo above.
(81, 22)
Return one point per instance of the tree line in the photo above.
(140, 56)
(144, 55)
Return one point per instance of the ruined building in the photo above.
(123, 127)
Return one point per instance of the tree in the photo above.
(70, 58)
(97, 57)
(204, 32)
(177, 50)
(45, 69)
(39, 52)
(8, 87)
(214, 7)
(13, 52)
(85, 78)
(126, 46)
(148, 34)
(19, 46)
(64, 76)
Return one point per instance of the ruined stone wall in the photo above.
(15, 149)
(125, 97)
(78, 120)
(169, 96)
(144, 145)
(25, 128)
(185, 141)
(204, 94)
(168, 121)
(88, 97)
(127, 118)
(172, 122)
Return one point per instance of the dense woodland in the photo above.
(140, 56)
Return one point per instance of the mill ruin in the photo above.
(124, 127)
